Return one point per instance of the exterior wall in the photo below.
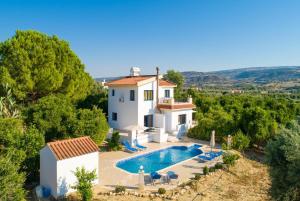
(172, 121)
(146, 107)
(127, 111)
(48, 169)
(65, 171)
(162, 92)
(131, 113)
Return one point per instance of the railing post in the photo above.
(172, 101)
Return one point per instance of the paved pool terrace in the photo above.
(111, 176)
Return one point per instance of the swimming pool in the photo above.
(160, 159)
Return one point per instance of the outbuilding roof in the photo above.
(138, 80)
(69, 148)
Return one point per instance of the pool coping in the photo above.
(149, 152)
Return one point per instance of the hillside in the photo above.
(266, 78)
(282, 78)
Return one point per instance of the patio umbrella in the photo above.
(212, 140)
(141, 178)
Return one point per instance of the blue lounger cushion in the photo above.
(129, 147)
(138, 145)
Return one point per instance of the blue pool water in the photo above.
(160, 159)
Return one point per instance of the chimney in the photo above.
(135, 71)
(157, 84)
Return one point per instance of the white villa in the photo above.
(142, 107)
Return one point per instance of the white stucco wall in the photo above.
(172, 119)
(131, 113)
(162, 91)
(127, 111)
(146, 107)
(48, 169)
(66, 168)
(59, 175)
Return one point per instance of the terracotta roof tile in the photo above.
(69, 148)
(130, 80)
(166, 83)
(134, 80)
(176, 106)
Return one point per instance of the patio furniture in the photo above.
(210, 155)
(128, 147)
(206, 157)
(171, 175)
(154, 176)
(138, 145)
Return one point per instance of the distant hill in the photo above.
(257, 77)
(264, 78)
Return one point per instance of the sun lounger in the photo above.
(128, 147)
(154, 176)
(210, 155)
(171, 175)
(139, 146)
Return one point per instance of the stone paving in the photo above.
(111, 176)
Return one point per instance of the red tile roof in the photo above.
(130, 80)
(134, 80)
(69, 148)
(166, 83)
(176, 106)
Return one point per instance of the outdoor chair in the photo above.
(128, 147)
(138, 145)
(154, 176)
(171, 175)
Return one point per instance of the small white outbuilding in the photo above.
(59, 160)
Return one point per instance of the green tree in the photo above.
(92, 123)
(57, 118)
(283, 157)
(31, 143)
(23, 144)
(240, 141)
(178, 79)
(11, 181)
(84, 183)
(257, 123)
(52, 116)
(98, 98)
(8, 106)
(36, 65)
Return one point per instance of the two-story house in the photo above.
(144, 105)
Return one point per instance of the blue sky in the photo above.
(110, 36)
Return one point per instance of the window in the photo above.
(113, 92)
(148, 95)
(132, 95)
(182, 119)
(148, 120)
(167, 93)
(114, 116)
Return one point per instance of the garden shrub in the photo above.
(84, 183)
(120, 189)
(218, 166)
(205, 170)
(211, 169)
(230, 158)
(240, 141)
(197, 176)
(113, 143)
(161, 191)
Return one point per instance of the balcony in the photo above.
(172, 104)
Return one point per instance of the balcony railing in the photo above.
(172, 101)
